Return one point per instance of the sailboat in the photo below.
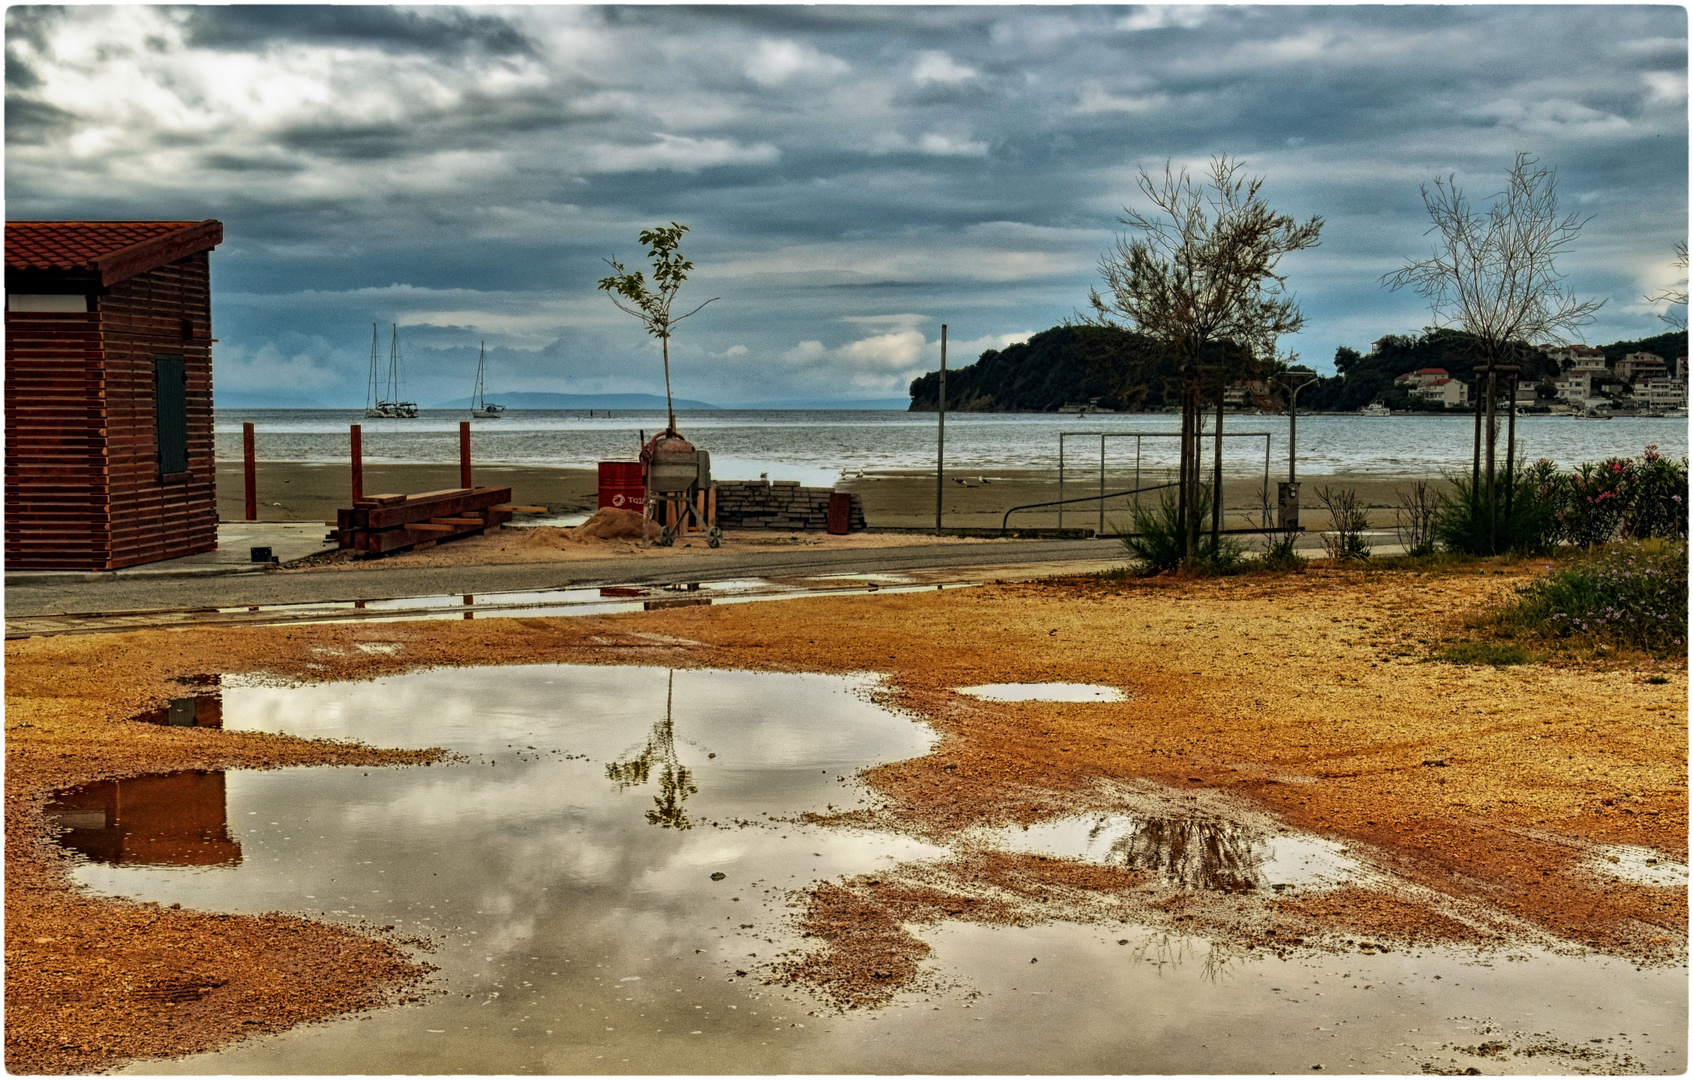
(480, 407)
(374, 407)
(389, 407)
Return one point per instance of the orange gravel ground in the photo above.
(1304, 698)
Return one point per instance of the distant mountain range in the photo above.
(654, 401)
(579, 401)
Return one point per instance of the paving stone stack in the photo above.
(777, 504)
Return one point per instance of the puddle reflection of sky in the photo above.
(570, 888)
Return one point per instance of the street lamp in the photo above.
(1294, 379)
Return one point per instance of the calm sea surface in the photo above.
(819, 447)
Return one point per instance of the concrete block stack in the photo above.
(777, 504)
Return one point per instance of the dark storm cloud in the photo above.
(439, 30)
(465, 172)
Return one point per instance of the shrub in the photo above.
(1157, 544)
(1414, 520)
(1630, 594)
(1279, 554)
(1633, 498)
(1350, 521)
(1468, 522)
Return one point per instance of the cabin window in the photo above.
(170, 403)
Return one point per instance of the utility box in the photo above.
(840, 513)
(1287, 505)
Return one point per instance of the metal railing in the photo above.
(1080, 498)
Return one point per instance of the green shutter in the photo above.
(170, 380)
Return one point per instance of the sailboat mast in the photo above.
(394, 364)
(370, 397)
(481, 368)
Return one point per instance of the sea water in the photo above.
(820, 447)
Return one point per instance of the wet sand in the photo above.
(293, 491)
(1306, 696)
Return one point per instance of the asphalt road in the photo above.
(149, 593)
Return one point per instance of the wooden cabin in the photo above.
(109, 458)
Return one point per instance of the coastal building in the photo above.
(1582, 356)
(1661, 393)
(109, 459)
(1641, 365)
(1448, 392)
(1422, 377)
(1576, 385)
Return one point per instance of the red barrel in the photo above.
(840, 512)
(623, 485)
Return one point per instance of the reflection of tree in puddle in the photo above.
(675, 782)
(1198, 853)
(1163, 950)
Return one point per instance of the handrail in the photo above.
(1081, 498)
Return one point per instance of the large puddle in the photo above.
(615, 846)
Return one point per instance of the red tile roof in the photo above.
(113, 250)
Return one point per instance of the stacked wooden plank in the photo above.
(380, 524)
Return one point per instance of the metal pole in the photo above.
(940, 438)
(1264, 516)
(1137, 478)
(1101, 531)
(1060, 480)
(358, 464)
(1293, 431)
(464, 453)
(250, 472)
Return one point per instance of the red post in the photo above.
(464, 453)
(358, 464)
(250, 472)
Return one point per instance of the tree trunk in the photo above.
(1217, 475)
(1182, 470)
(1492, 449)
(669, 408)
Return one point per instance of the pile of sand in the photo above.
(610, 523)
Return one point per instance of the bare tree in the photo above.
(1675, 295)
(652, 306)
(1199, 269)
(1494, 275)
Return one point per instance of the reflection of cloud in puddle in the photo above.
(1195, 852)
(1058, 691)
(1636, 865)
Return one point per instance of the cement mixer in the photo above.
(677, 473)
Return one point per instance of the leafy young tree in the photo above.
(629, 291)
(1494, 275)
(1199, 269)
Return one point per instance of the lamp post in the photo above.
(940, 438)
(1295, 379)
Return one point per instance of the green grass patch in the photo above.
(1494, 653)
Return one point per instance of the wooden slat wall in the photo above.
(56, 495)
(154, 518)
(83, 489)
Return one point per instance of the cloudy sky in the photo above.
(853, 176)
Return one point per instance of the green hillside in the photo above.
(1066, 365)
(1117, 369)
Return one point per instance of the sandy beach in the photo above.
(975, 499)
